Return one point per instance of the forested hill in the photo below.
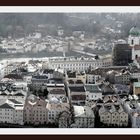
(21, 24)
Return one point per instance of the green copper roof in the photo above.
(136, 84)
(134, 31)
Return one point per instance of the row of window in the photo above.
(114, 117)
(5, 109)
(74, 65)
(6, 118)
(35, 115)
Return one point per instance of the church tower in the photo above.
(134, 36)
(134, 42)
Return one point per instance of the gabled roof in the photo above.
(5, 105)
(13, 76)
(78, 97)
(3, 93)
(18, 94)
(15, 101)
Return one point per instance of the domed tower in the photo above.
(134, 42)
(134, 36)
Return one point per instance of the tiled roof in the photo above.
(15, 101)
(71, 74)
(92, 88)
(57, 91)
(77, 89)
(6, 106)
(13, 76)
(78, 97)
(46, 71)
(18, 94)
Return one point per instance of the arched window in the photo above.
(132, 42)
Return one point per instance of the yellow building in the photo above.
(136, 88)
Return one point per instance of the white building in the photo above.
(113, 114)
(92, 78)
(93, 92)
(79, 64)
(83, 117)
(77, 95)
(57, 91)
(75, 76)
(134, 36)
(11, 111)
(54, 109)
(135, 120)
(134, 42)
(123, 78)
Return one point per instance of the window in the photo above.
(132, 41)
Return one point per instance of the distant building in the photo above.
(93, 92)
(92, 77)
(83, 117)
(113, 114)
(136, 120)
(75, 76)
(57, 92)
(134, 36)
(132, 106)
(79, 64)
(134, 42)
(136, 88)
(121, 55)
(38, 81)
(11, 111)
(55, 109)
(123, 78)
(60, 31)
(35, 111)
(77, 95)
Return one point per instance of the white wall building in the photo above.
(113, 114)
(135, 118)
(93, 79)
(134, 36)
(79, 64)
(11, 111)
(54, 110)
(83, 117)
(93, 92)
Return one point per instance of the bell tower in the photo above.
(134, 36)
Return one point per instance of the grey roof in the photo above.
(92, 88)
(19, 94)
(6, 106)
(77, 89)
(15, 101)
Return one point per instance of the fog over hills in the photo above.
(92, 23)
